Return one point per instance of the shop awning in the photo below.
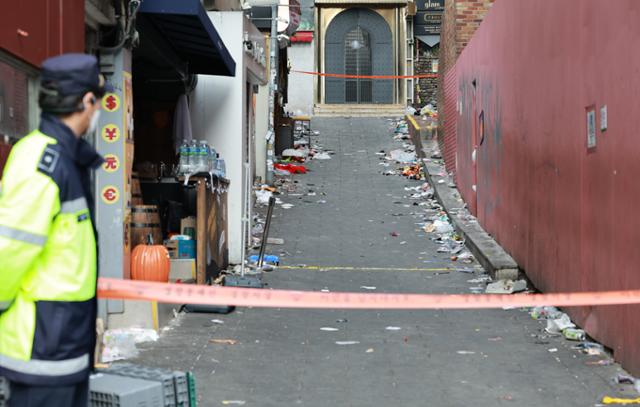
(191, 33)
(430, 40)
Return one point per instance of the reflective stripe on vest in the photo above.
(46, 367)
(21, 235)
(74, 206)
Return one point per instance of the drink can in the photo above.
(574, 334)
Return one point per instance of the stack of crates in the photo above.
(175, 385)
(107, 390)
(4, 391)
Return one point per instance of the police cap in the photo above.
(73, 74)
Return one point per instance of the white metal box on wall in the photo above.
(222, 111)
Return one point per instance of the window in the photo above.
(18, 98)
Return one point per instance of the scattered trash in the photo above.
(275, 241)
(342, 321)
(268, 258)
(329, 329)
(291, 168)
(442, 226)
(558, 325)
(366, 287)
(393, 328)
(287, 206)
(402, 156)
(545, 313)
(290, 152)
(601, 362)
(553, 350)
(590, 348)
(263, 196)
(344, 343)
(217, 321)
(506, 287)
(574, 334)
(234, 402)
(322, 156)
(370, 350)
(465, 352)
(223, 341)
(467, 257)
(120, 344)
(394, 234)
(624, 379)
(480, 280)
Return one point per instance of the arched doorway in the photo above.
(358, 42)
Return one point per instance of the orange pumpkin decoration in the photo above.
(150, 262)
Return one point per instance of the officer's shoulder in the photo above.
(38, 152)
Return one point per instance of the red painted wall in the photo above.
(568, 215)
(35, 30)
(450, 93)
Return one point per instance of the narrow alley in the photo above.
(359, 233)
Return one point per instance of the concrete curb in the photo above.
(498, 263)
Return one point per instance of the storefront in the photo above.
(143, 124)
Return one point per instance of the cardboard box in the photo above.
(182, 269)
(188, 223)
(181, 249)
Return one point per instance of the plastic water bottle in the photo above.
(193, 157)
(211, 160)
(222, 167)
(183, 163)
(203, 156)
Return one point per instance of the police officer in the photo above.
(48, 261)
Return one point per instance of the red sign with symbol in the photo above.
(111, 163)
(110, 102)
(110, 194)
(110, 133)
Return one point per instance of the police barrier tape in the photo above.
(346, 76)
(109, 288)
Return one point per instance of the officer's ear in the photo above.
(88, 99)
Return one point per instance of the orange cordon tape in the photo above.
(109, 288)
(339, 75)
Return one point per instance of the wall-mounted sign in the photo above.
(428, 19)
(110, 102)
(426, 30)
(110, 194)
(430, 5)
(111, 163)
(110, 133)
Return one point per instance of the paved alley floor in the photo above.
(372, 358)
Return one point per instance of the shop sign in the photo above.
(430, 5)
(111, 163)
(110, 102)
(110, 133)
(110, 194)
(426, 30)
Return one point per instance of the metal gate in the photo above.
(357, 61)
(358, 42)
